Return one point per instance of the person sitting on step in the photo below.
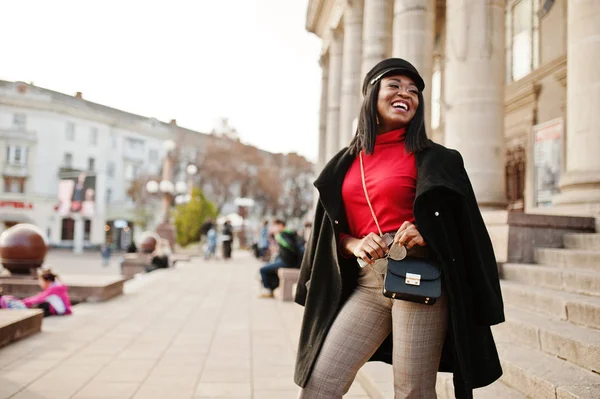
(54, 298)
(290, 252)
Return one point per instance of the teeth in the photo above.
(400, 105)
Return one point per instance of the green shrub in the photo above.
(189, 217)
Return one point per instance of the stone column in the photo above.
(474, 93)
(581, 182)
(413, 40)
(78, 234)
(323, 114)
(351, 64)
(377, 32)
(333, 95)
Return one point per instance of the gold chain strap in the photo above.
(362, 175)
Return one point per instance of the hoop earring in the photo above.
(377, 119)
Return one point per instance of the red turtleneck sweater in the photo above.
(391, 179)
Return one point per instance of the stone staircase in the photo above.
(550, 343)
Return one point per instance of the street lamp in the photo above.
(167, 188)
(243, 204)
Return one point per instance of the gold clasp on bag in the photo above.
(413, 279)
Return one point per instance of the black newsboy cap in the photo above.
(392, 65)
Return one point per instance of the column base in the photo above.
(579, 188)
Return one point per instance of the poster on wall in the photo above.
(77, 194)
(547, 160)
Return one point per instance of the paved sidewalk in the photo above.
(196, 331)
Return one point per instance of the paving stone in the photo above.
(107, 390)
(223, 390)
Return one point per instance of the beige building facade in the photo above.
(512, 84)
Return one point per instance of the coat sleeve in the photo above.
(309, 256)
(481, 261)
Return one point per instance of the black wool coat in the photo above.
(449, 220)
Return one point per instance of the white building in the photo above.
(46, 137)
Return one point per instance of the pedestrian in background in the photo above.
(105, 252)
(393, 179)
(227, 239)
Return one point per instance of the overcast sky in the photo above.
(251, 61)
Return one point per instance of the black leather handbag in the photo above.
(407, 278)
(413, 279)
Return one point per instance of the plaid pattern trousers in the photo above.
(362, 325)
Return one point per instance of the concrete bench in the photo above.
(82, 288)
(288, 279)
(134, 263)
(19, 323)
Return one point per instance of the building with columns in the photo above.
(512, 84)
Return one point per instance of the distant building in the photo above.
(48, 139)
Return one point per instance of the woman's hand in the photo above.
(369, 248)
(409, 236)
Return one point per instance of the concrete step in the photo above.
(378, 381)
(542, 376)
(580, 281)
(576, 344)
(444, 388)
(576, 308)
(578, 258)
(16, 324)
(582, 241)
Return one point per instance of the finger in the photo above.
(363, 256)
(418, 240)
(375, 250)
(371, 249)
(381, 244)
(407, 236)
(401, 230)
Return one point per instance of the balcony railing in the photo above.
(18, 134)
(15, 170)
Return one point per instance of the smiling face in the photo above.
(397, 102)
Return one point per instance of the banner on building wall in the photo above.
(548, 139)
(77, 193)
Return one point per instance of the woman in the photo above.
(54, 298)
(420, 191)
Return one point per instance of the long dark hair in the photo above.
(367, 129)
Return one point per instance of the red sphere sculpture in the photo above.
(23, 248)
(148, 242)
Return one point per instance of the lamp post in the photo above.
(191, 171)
(243, 204)
(165, 229)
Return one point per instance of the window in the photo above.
(14, 185)
(153, 155)
(108, 196)
(113, 140)
(522, 39)
(131, 171)
(110, 169)
(20, 121)
(70, 132)
(16, 155)
(87, 229)
(135, 144)
(94, 136)
(68, 229)
(91, 164)
(68, 160)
